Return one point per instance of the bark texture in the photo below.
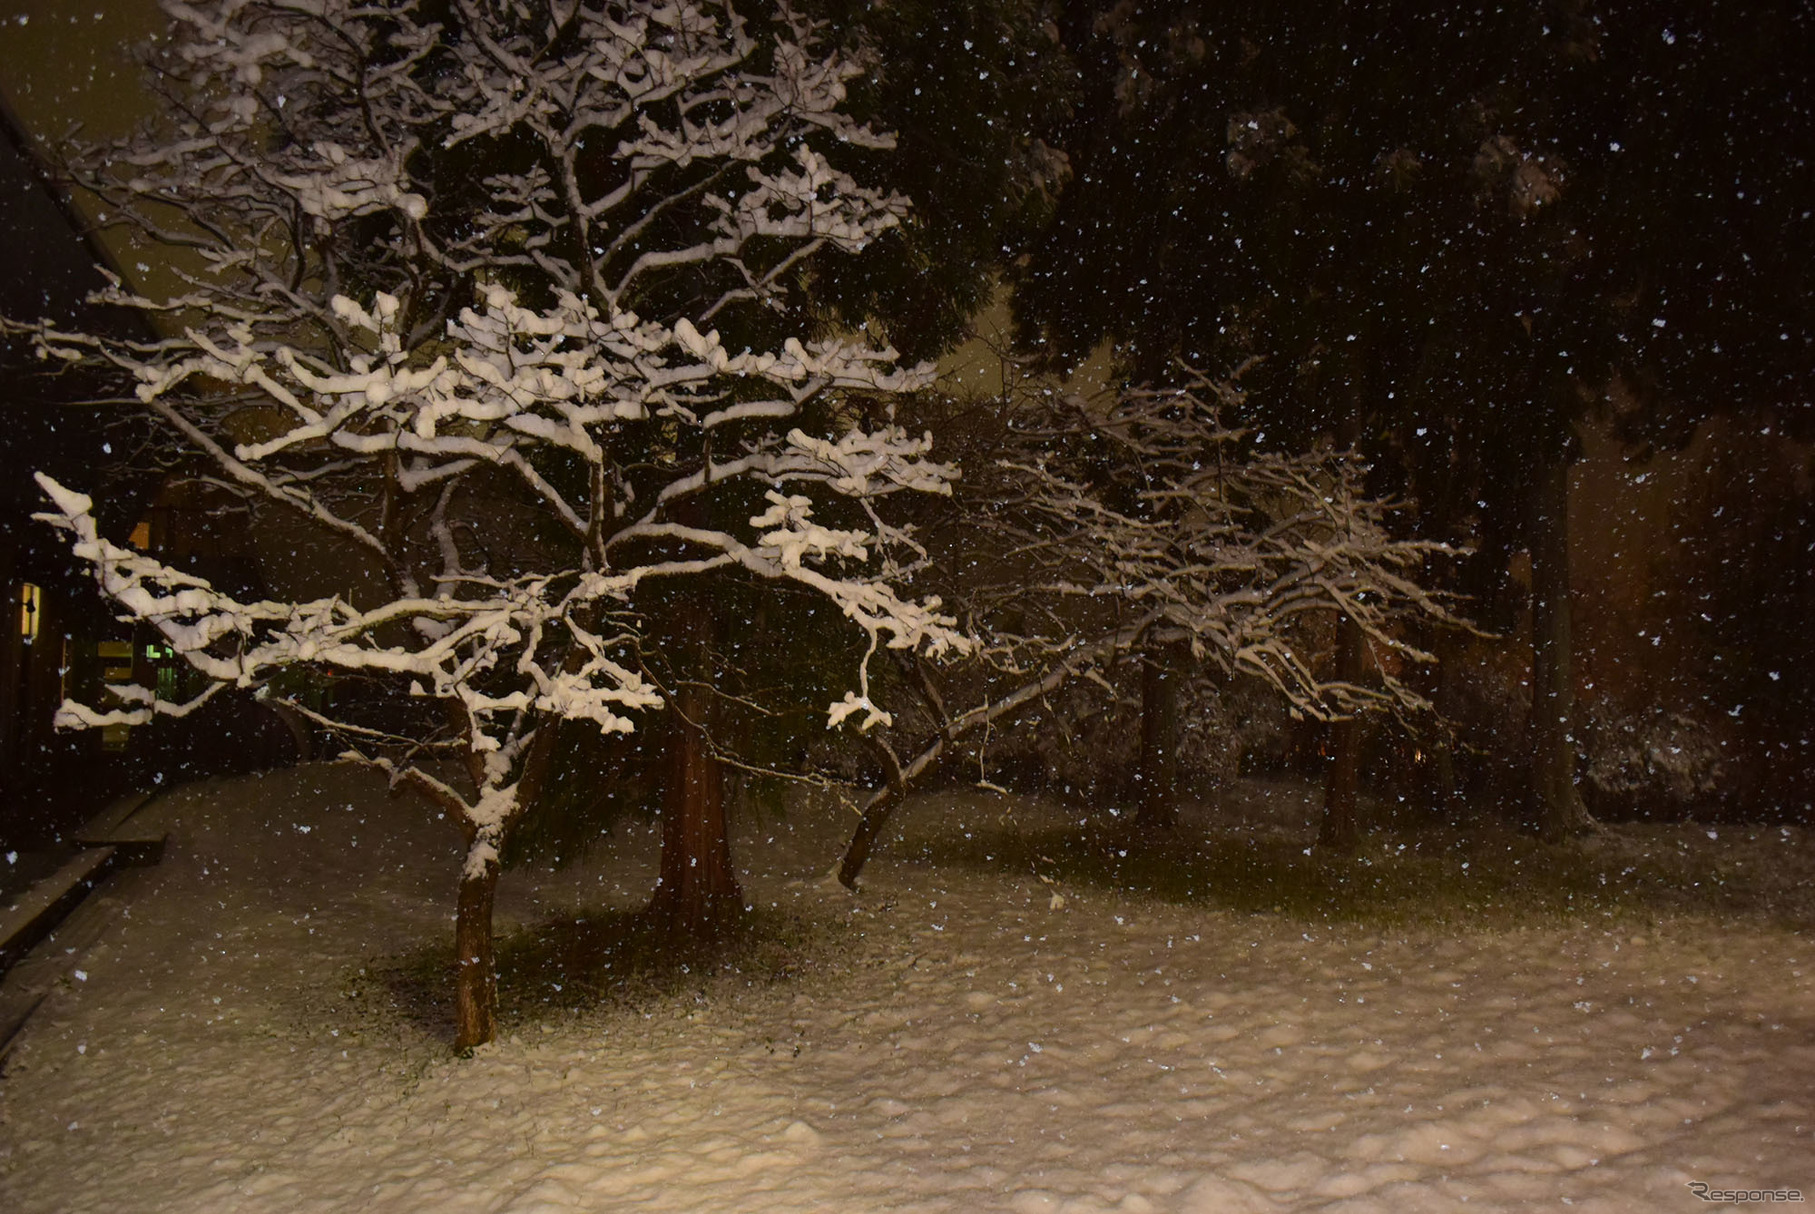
(1555, 800)
(476, 980)
(697, 892)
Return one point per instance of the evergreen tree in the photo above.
(1445, 231)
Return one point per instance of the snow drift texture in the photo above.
(952, 1040)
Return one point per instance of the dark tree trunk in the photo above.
(883, 803)
(476, 980)
(1163, 669)
(1339, 830)
(475, 964)
(1556, 801)
(857, 852)
(697, 892)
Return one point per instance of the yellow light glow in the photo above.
(30, 604)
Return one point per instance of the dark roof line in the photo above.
(32, 155)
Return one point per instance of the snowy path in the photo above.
(967, 1047)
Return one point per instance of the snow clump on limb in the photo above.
(510, 328)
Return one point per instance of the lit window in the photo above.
(31, 602)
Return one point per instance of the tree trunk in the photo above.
(1556, 802)
(882, 804)
(697, 892)
(1339, 830)
(1162, 670)
(857, 851)
(476, 981)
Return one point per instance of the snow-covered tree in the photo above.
(501, 296)
(1142, 526)
(1448, 231)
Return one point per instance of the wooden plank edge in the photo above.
(109, 827)
(113, 817)
(48, 902)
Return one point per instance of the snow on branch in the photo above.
(488, 293)
(1141, 522)
(1148, 504)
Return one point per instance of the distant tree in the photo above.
(974, 93)
(497, 296)
(1446, 231)
(1140, 524)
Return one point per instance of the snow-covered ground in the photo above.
(237, 1032)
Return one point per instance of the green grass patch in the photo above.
(1437, 876)
(587, 962)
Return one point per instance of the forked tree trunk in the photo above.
(475, 964)
(882, 804)
(1556, 801)
(1339, 830)
(1162, 670)
(476, 969)
(697, 892)
(476, 978)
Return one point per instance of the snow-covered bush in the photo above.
(497, 296)
(1652, 760)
